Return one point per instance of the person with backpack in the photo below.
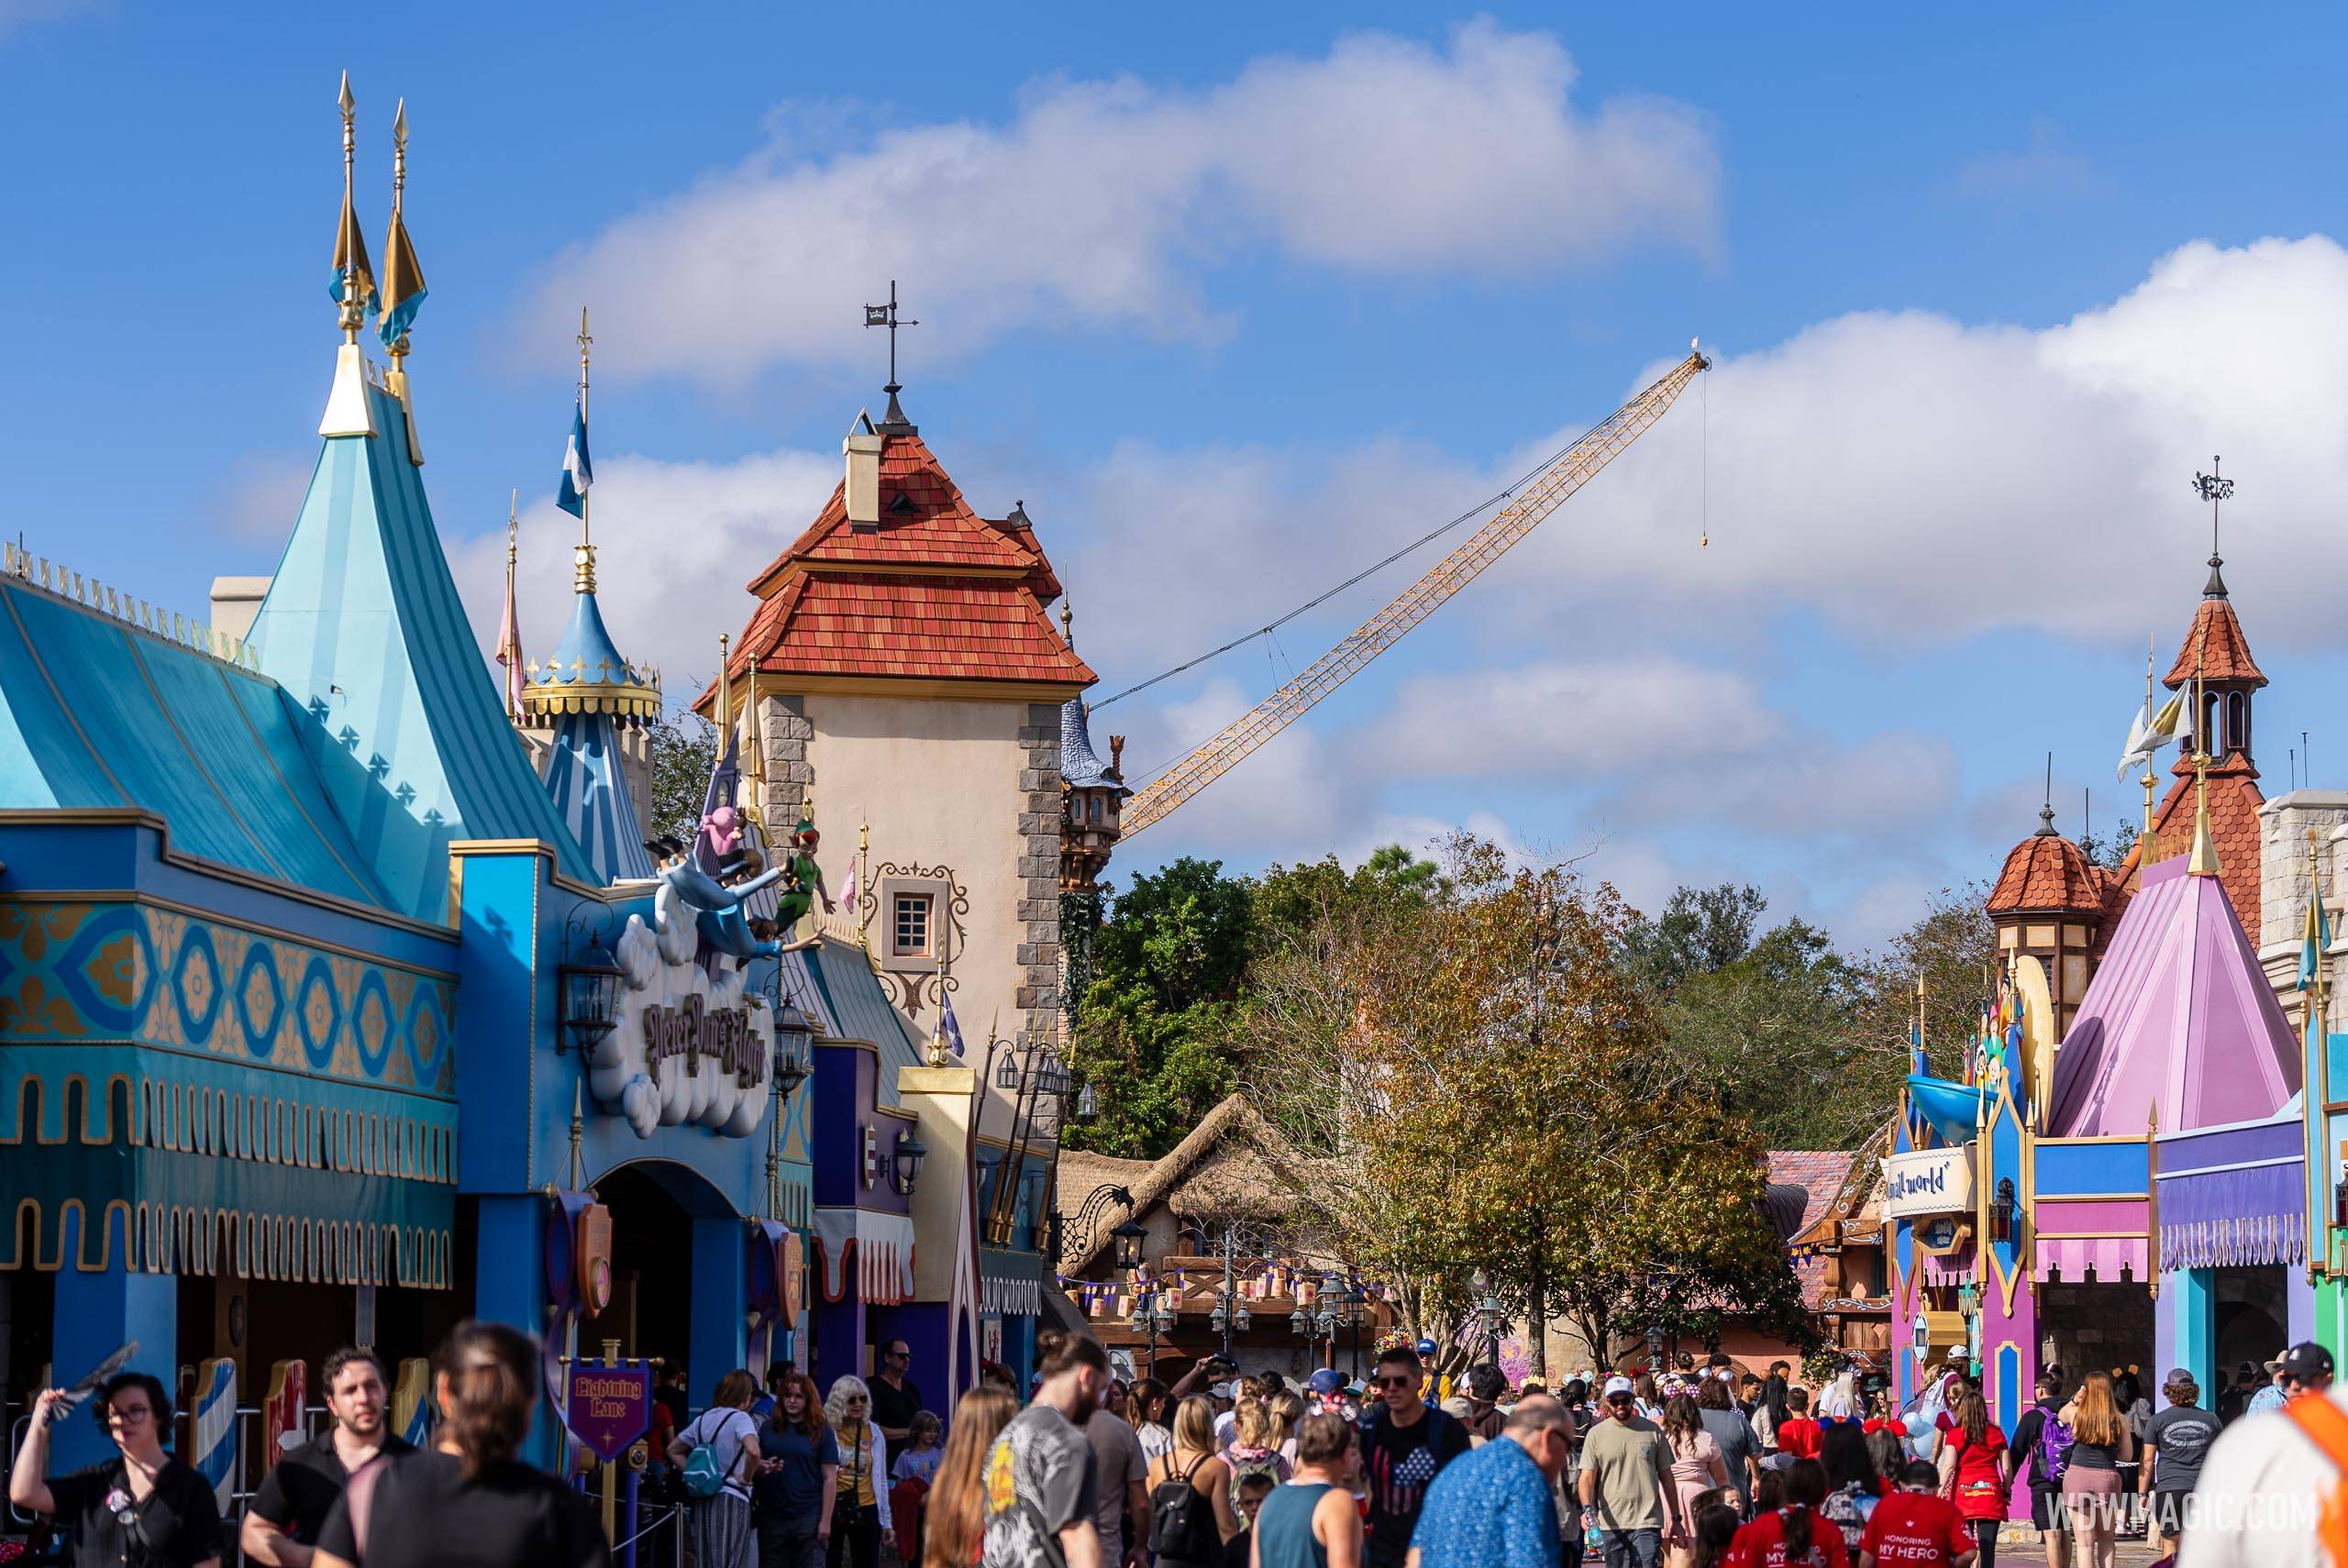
(2045, 1438)
(719, 1455)
(1190, 1513)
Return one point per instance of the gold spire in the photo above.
(725, 684)
(348, 412)
(1068, 622)
(2204, 861)
(403, 283)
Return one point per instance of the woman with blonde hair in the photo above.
(1288, 1409)
(1182, 1480)
(860, 1523)
(1255, 1447)
(958, 1508)
(2100, 1444)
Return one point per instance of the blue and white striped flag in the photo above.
(950, 1029)
(577, 474)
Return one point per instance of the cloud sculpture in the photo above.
(688, 1048)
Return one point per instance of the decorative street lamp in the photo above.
(1130, 1237)
(1087, 1104)
(591, 998)
(794, 1040)
(911, 1151)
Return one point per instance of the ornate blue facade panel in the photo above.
(83, 971)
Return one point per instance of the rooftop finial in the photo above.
(352, 287)
(578, 476)
(1068, 622)
(403, 291)
(2046, 811)
(509, 629)
(2210, 488)
(894, 422)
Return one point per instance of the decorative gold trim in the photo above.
(139, 816)
(913, 687)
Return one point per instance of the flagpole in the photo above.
(2316, 1087)
(2149, 716)
(586, 536)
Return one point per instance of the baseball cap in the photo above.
(1426, 1347)
(2305, 1361)
(1616, 1386)
(1327, 1380)
(1221, 1391)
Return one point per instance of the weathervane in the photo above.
(886, 315)
(2214, 489)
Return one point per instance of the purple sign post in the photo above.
(610, 1407)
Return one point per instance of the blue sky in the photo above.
(1236, 305)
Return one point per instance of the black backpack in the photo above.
(1181, 1517)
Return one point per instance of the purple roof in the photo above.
(2180, 1017)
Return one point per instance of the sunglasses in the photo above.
(1395, 1382)
(855, 1399)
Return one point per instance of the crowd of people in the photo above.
(1690, 1467)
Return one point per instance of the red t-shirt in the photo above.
(1801, 1436)
(1980, 1491)
(1762, 1543)
(1916, 1529)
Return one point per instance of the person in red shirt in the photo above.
(1976, 1469)
(1794, 1536)
(1797, 1434)
(1917, 1527)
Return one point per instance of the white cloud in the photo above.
(1916, 480)
(1574, 722)
(1106, 203)
(675, 544)
(16, 15)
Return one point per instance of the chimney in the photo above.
(863, 478)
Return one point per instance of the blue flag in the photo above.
(949, 1028)
(577, 474)
(2314, 939)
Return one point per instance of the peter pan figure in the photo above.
(802, 879)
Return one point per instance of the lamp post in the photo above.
(1489, 1311)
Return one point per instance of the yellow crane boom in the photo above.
(1541, 496)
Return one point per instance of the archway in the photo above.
(654, 1203)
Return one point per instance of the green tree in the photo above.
(1699, 931)
(684, 747)
(1773, 1028)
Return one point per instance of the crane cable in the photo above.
(1430, 537)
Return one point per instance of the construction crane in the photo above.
(1539, 498)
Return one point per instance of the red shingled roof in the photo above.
(935, 591)
(2214, 646)
(2046, 871)
(2234, 800)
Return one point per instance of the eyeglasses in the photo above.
(135, 1413)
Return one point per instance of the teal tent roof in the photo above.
(363, 629)
(98, 712)
(857, 1008)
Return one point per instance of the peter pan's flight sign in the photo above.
(694, 1032)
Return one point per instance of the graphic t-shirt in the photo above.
(2181, 1436)
(1913, 1529)
(1400, 1464)
(1762, 1545)
(1039, 1480)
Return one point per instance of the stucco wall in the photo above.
(971, 786)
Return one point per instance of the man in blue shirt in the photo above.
(1494, 1507)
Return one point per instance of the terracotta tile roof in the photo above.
(924, 522)
(2215, 646)
(935, 591)
(2046, 871)
(1818, 1172)
(2234, 800)
(914, 627)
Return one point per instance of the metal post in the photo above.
(1229, 1299)
(611, 1470)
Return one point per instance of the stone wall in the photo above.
(782, 721)
(1039, 866)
